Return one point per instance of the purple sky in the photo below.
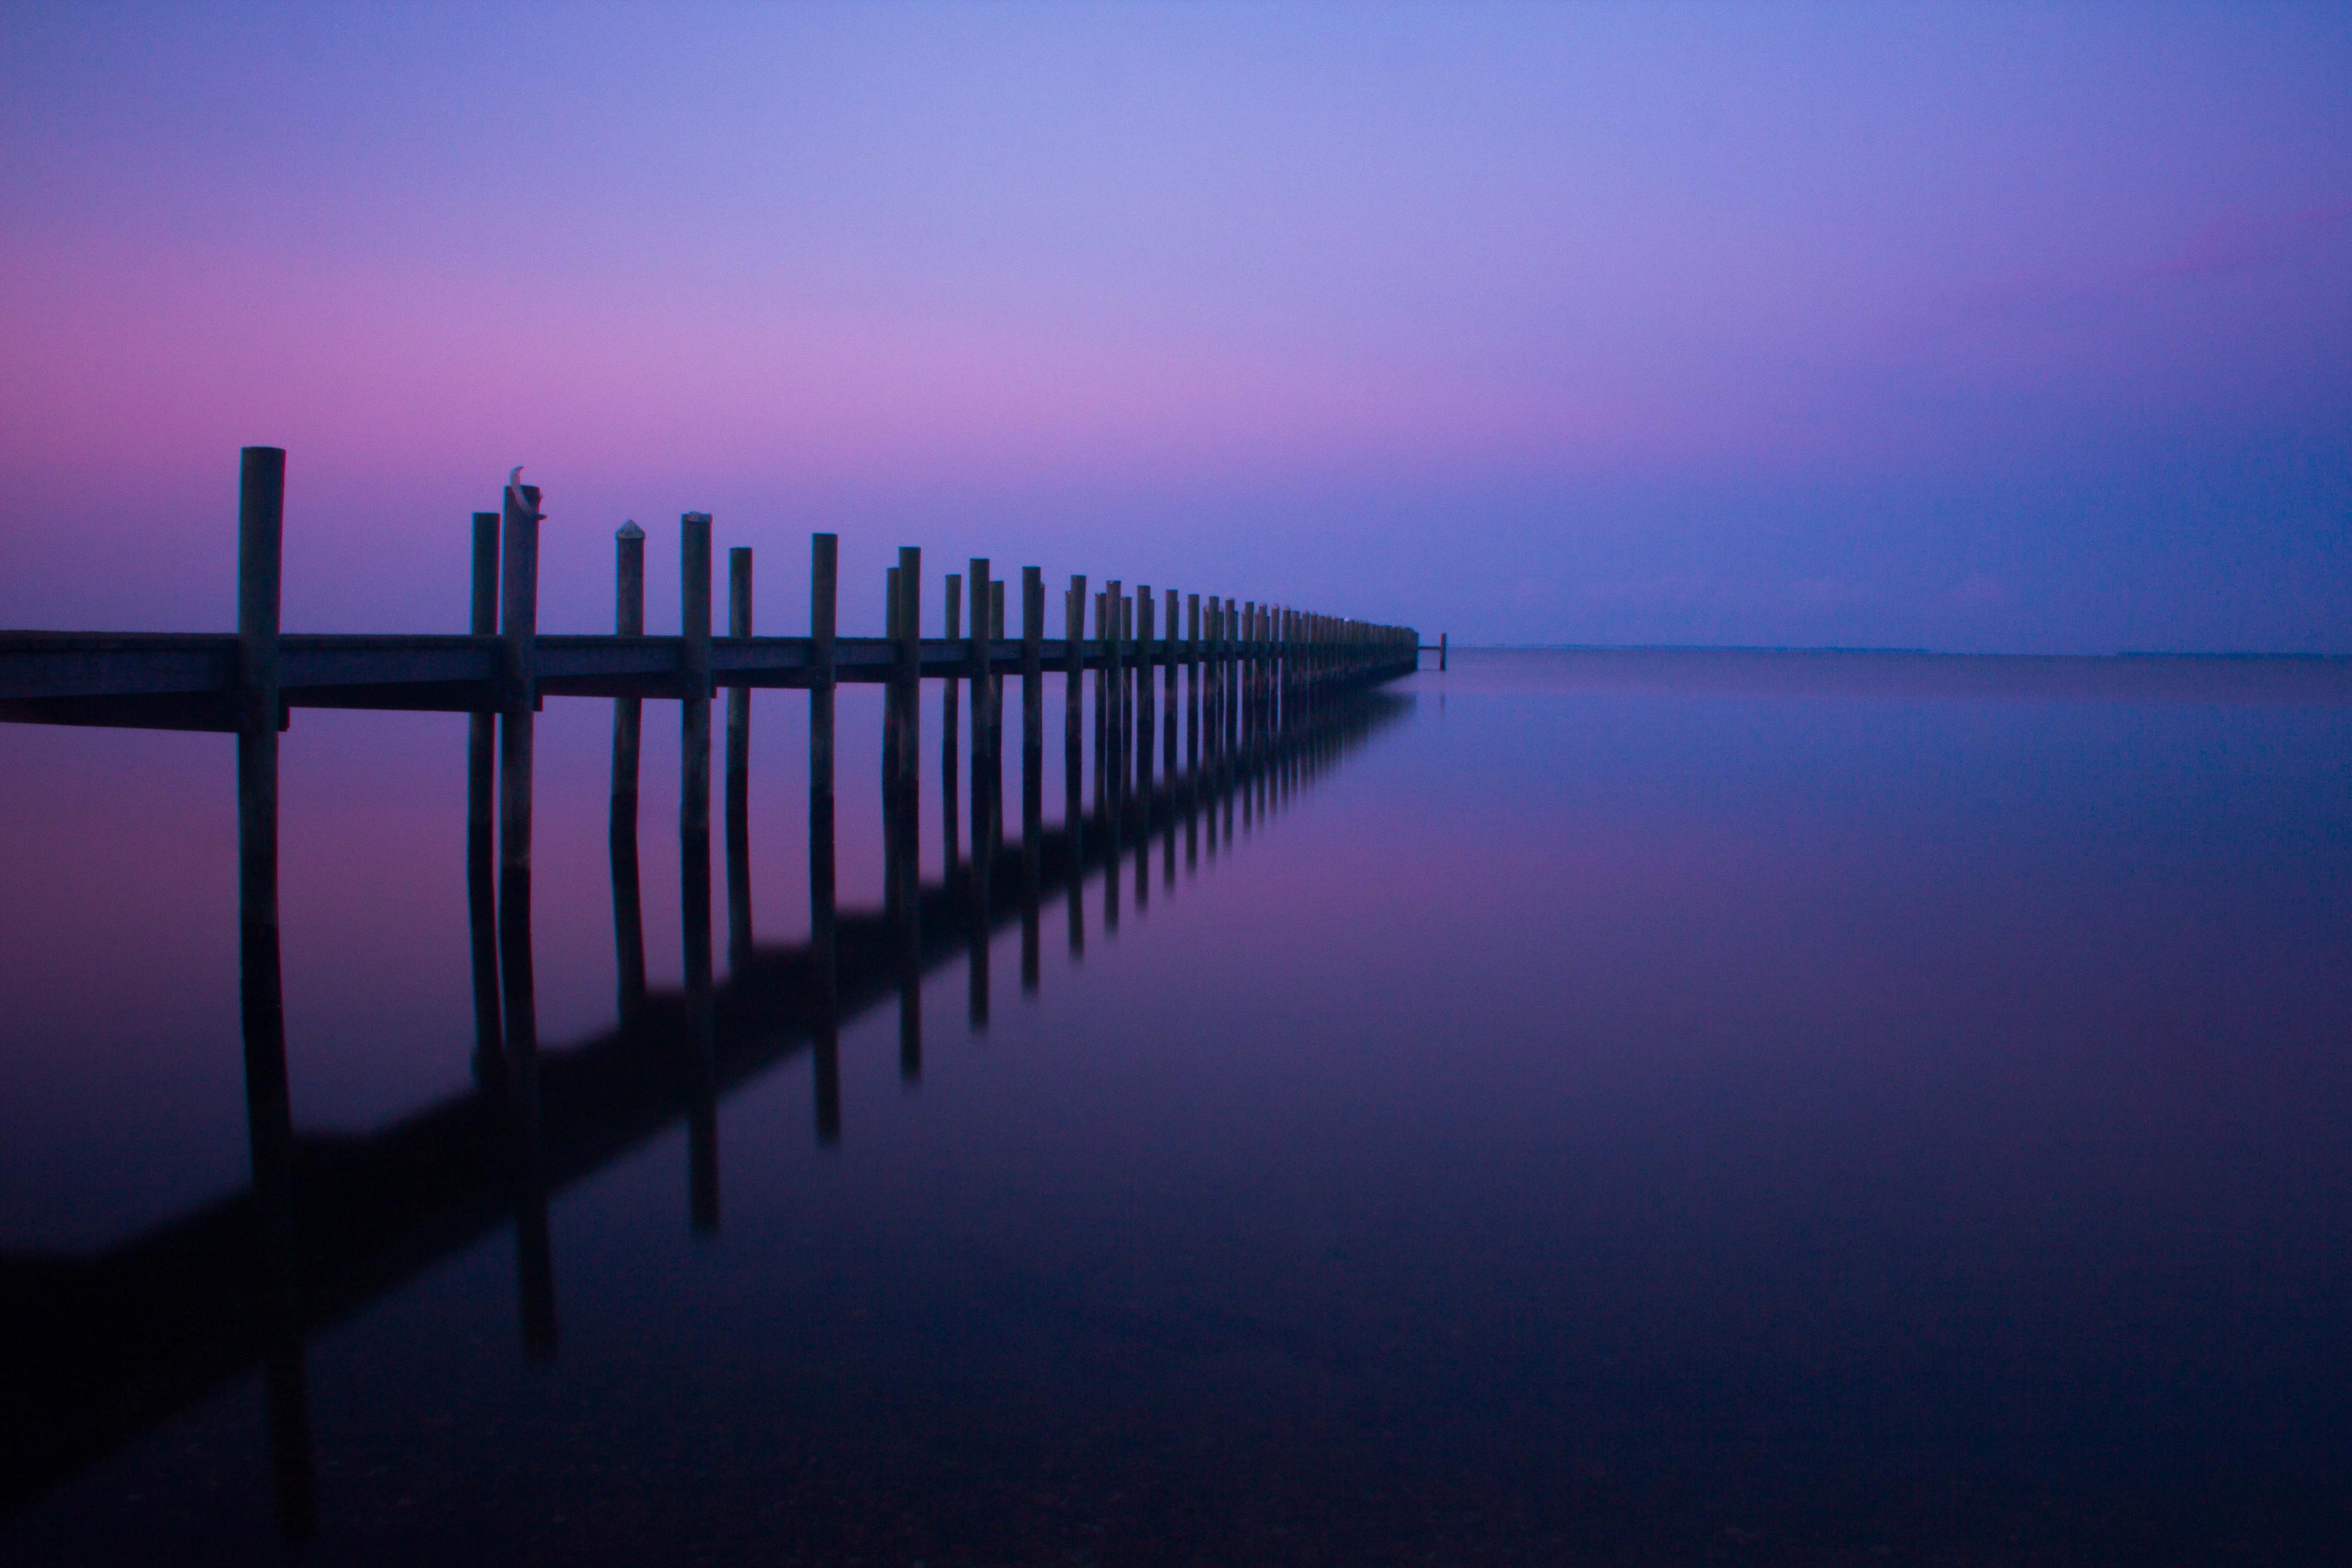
(1972, 327)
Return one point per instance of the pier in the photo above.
(1201, 707)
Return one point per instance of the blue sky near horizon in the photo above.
(1970, 327)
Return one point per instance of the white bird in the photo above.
(516, 500)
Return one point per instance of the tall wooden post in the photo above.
(1033, 763)
(518, 630)
(893, 739)
(694, 868)
(1170, 655)
(1073, 678)
(268, 1110)
(1191, 682)
(1115, 669)
(1191, 800)
(739, 770)
(1074, 743)
(907, 688)
(951, 720)
(1145, 646)
(1108, 767)
(1102, 699)
(482, 822)
(825, 556)
(621, 834)
(983, 604)
(995, 720)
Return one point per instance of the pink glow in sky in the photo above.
(1970, 327)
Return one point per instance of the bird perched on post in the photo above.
(523, 498)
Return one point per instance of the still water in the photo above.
(1635, 1107)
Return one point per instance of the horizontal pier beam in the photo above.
(188, 681)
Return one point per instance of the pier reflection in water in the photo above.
(103, 1348)
(1645, 1108)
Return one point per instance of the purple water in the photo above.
(1628, 1109)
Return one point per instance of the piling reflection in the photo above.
(102, 1348)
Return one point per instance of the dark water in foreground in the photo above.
(1641, 1108)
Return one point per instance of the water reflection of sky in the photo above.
(1612, 1112)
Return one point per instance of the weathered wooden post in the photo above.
(1442, 638)
(1147, 723)
(983, 612)
(481, 821)
(825, 582)
(982, 692)
(908, 688)
(951, 804)
(1192, 683)
(1171, 657)
(519, 634)
(1033, 763)
(1102, 699)
(893, 737)
(1114, 677)
(1074, 816)
(1074, 677)
(910, 666)
(1109, 768)
(996, 695)
(739, 770)
(1138, 628)
(694, 868)
(1134, 687)
(268, 1109)
(518, 628)
(621, 833)
(1236, 634)
(1235, 668)
(995, 720)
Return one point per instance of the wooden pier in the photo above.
(99, 1349)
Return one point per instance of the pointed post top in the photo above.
(629, 530)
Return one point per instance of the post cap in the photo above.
(629, 530)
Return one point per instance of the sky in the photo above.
(1976, 327)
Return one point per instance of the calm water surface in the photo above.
(1721, 1108)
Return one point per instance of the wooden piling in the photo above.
(976, 654)
(268, 1109)
(1191, 682)
(823, 942)
(1147, 723)
(694, 869)
(739, 770)
(951, 804)
(621, 833)
(1102, 695)
(983, 613)
(1074, 743)
(519, 633)
(1170, 655)
(1032, 762)
(1109, 768)
(906, 688)
(910, 662)
(481, 821)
